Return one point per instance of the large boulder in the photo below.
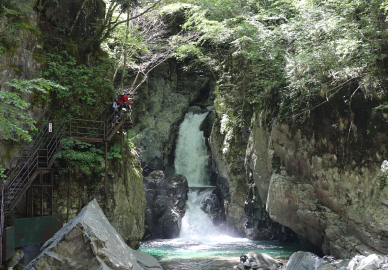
(255, 260)
(308, 261)
(166, 201)
(90, 242)
(370, 262)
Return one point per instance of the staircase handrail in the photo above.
(42, 157)
(18, 159)
(54, 144)
(31, 165)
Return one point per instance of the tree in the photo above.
(114, 17)
(15, 119)
(139, 45)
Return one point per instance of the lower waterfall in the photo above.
(196, 224)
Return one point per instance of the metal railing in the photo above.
(40, 153)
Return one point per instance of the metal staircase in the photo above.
(39, 155)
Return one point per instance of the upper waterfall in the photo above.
(191, 156)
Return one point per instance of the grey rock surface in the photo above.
(19, 63)
(307, 261)
(370, 262)
(89, 242)
(212, 206)
(168, 92)
(256, 260)
(64, 15)
(166, 201)
(339, 209)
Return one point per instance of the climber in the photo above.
(114, 108)
(124, 99)
(123, 102)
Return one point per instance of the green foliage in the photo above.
(3, 177)
(13, 11)
(291, 54)
(15, 120)
(223, 9)
(115, 151)
(383, 107)
(80, 157)
(117, 42)
(16, 17)
(198, 42)
(83, 87)
(331, 45)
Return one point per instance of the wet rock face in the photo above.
(166, 201)
(228, 164)
(258, 224)
(160, 107)
(77, 20)
(212, 206)
(244, 203)
(124, 203)
(339, 207)
(89, 242)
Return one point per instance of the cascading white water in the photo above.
(191, 156)
(196, 224)
(191, 160)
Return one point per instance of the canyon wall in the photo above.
(322, 179)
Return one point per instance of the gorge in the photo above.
(200, 243)
(283, 105)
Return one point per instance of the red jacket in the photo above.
(124, 99)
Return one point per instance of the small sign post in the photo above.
(50, 127)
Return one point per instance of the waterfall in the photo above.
(191, 160)
(191, 157)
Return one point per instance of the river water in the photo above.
(201, 245)
(222, 252)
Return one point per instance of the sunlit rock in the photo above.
(307, 261)
(90, 242)
(255, 260)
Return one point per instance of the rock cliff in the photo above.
(160, 108)
(123, 204)
(68, 25)
(321, 179)
(166, 205)
(340, 208)
(20, 44)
